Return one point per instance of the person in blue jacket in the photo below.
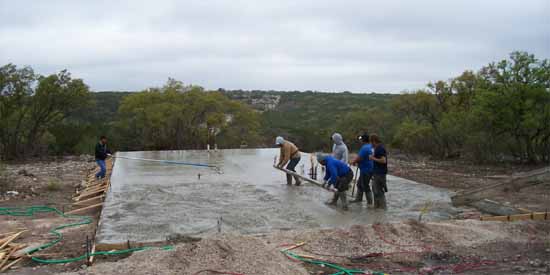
(339, 175)
(365, 165)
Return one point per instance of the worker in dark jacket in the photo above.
(379, 171)
(101, 153)
(339, 175)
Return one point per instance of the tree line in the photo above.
(498, 113)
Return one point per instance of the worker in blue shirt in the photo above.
(339, 175)
(365, 165)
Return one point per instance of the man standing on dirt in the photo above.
(339, 175)
(289, 154)
(365, 166)
(380, 169)
(101, 153)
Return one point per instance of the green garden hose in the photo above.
(341, 270)
(81, 220)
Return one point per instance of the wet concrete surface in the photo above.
(151, 201)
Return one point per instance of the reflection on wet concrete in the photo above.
(150, 201)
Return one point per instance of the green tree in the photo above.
(27, 113)
(16, 88)
(514, 103)
(184, 117)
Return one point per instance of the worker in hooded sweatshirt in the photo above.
(339, 175)
(289, 154)
(339, 149)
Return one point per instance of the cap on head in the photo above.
(279, 140)
(364, 137)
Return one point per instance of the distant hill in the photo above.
(301, 115)
(295, 115)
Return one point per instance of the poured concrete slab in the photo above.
(151, 201)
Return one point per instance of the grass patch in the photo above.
(53, 185)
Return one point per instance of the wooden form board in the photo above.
(90, 194)
(93, 188)
(117, 246)
(519, 217)
(84, 209)
(89, 201)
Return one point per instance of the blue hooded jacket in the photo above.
(335, 169)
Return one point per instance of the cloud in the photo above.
(382, 46)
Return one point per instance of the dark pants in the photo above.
(291, 166)
(363, 187)
(102, 169)
(342, 184)
(379, 189)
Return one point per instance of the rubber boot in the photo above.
(298, 181)
(383, 203)
(344, 200)
(288, 179)
(369, 198)
(358, 197)
(380, 203)
(334, 200)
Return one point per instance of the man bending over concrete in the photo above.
(289, 154)
(101, 153)
(338, 174)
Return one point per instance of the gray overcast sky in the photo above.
(361, 46)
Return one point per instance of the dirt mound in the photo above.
(237, 254)
(469, 246)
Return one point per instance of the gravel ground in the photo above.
(51, 183)
(467, 247)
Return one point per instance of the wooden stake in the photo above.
(3, 262)
(8, 234)
(10, 265)
(8, 240)
(92, 252)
